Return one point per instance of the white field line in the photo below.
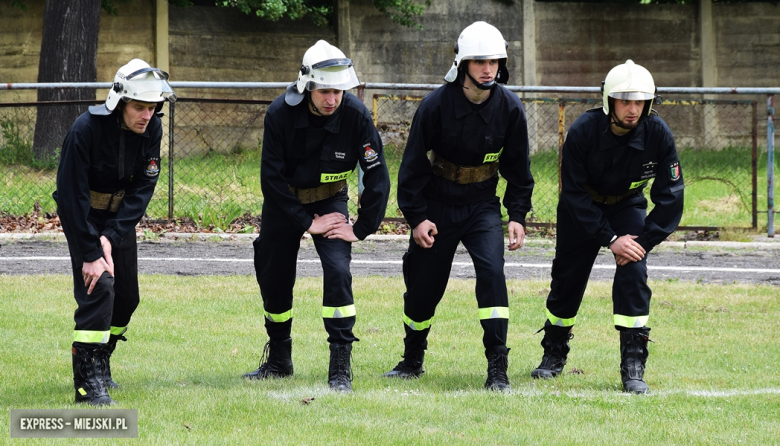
(681, 268)
(531, 391)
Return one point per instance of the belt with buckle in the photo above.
(609, 200)
(462, 174)
(310, 195)
(102, 201)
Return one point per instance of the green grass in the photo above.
(718, 187)
(712, 367)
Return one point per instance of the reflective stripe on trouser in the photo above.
(417, 326)
(276, 257)
(338, 312)
(560, 322)
(630, 321)
(494, 313)
(575, 252)
(426, 271)
(118, 331)
(282, 317)
(91, 337)
(114, 299)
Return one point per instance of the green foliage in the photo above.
(19, 4)
(403, 12)
(217, 217)
(15, 150)
(321, 12)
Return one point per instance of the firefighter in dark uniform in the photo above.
(109, 166)
(610, 155)
(315, 135)
(462, 134)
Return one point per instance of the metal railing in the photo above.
(213, 145)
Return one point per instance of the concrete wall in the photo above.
(386, 52)
(747, 44)
(578, 43)
(209, 43)
(121, 38)
(575, 44)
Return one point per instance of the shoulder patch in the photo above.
(370, 154)
(674, 171)
(153, 168)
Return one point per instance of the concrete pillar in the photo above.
(529, 72)
(529, 43)
(161, 59)
(709, 75)
(343, 28)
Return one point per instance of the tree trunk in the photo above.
(68, 54)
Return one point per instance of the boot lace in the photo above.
(497, 366)
(343, 370)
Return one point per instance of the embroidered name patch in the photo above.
(674, 171)
(648, 170)
(153, 169)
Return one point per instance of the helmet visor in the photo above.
(485, 57)
(148, 85)
(631, 95)
(342, 62)
(334, 77)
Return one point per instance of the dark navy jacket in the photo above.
(593, 156)
(299, 155)
(89, 160)
(446, 124)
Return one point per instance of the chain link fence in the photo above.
(212, 175)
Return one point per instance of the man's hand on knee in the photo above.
(91, 272)
(626, 250)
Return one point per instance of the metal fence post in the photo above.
(770, 165)
(171, 127)
(561, 138)
(754, 164)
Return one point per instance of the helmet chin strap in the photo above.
(314, 108)
(484, 86)
(617, 123)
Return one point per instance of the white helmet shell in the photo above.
(324, 67)
(480, 40)
(137, 81)
(628, 81)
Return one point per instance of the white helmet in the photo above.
(137, 81)
(628, 81)
(324, 67)
(480, 41)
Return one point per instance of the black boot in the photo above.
(276, 361)
(339, 370)
(109, 350)
(410, 367)
(498, 362)
(88, 364)
(633, 357)
(556, 348)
